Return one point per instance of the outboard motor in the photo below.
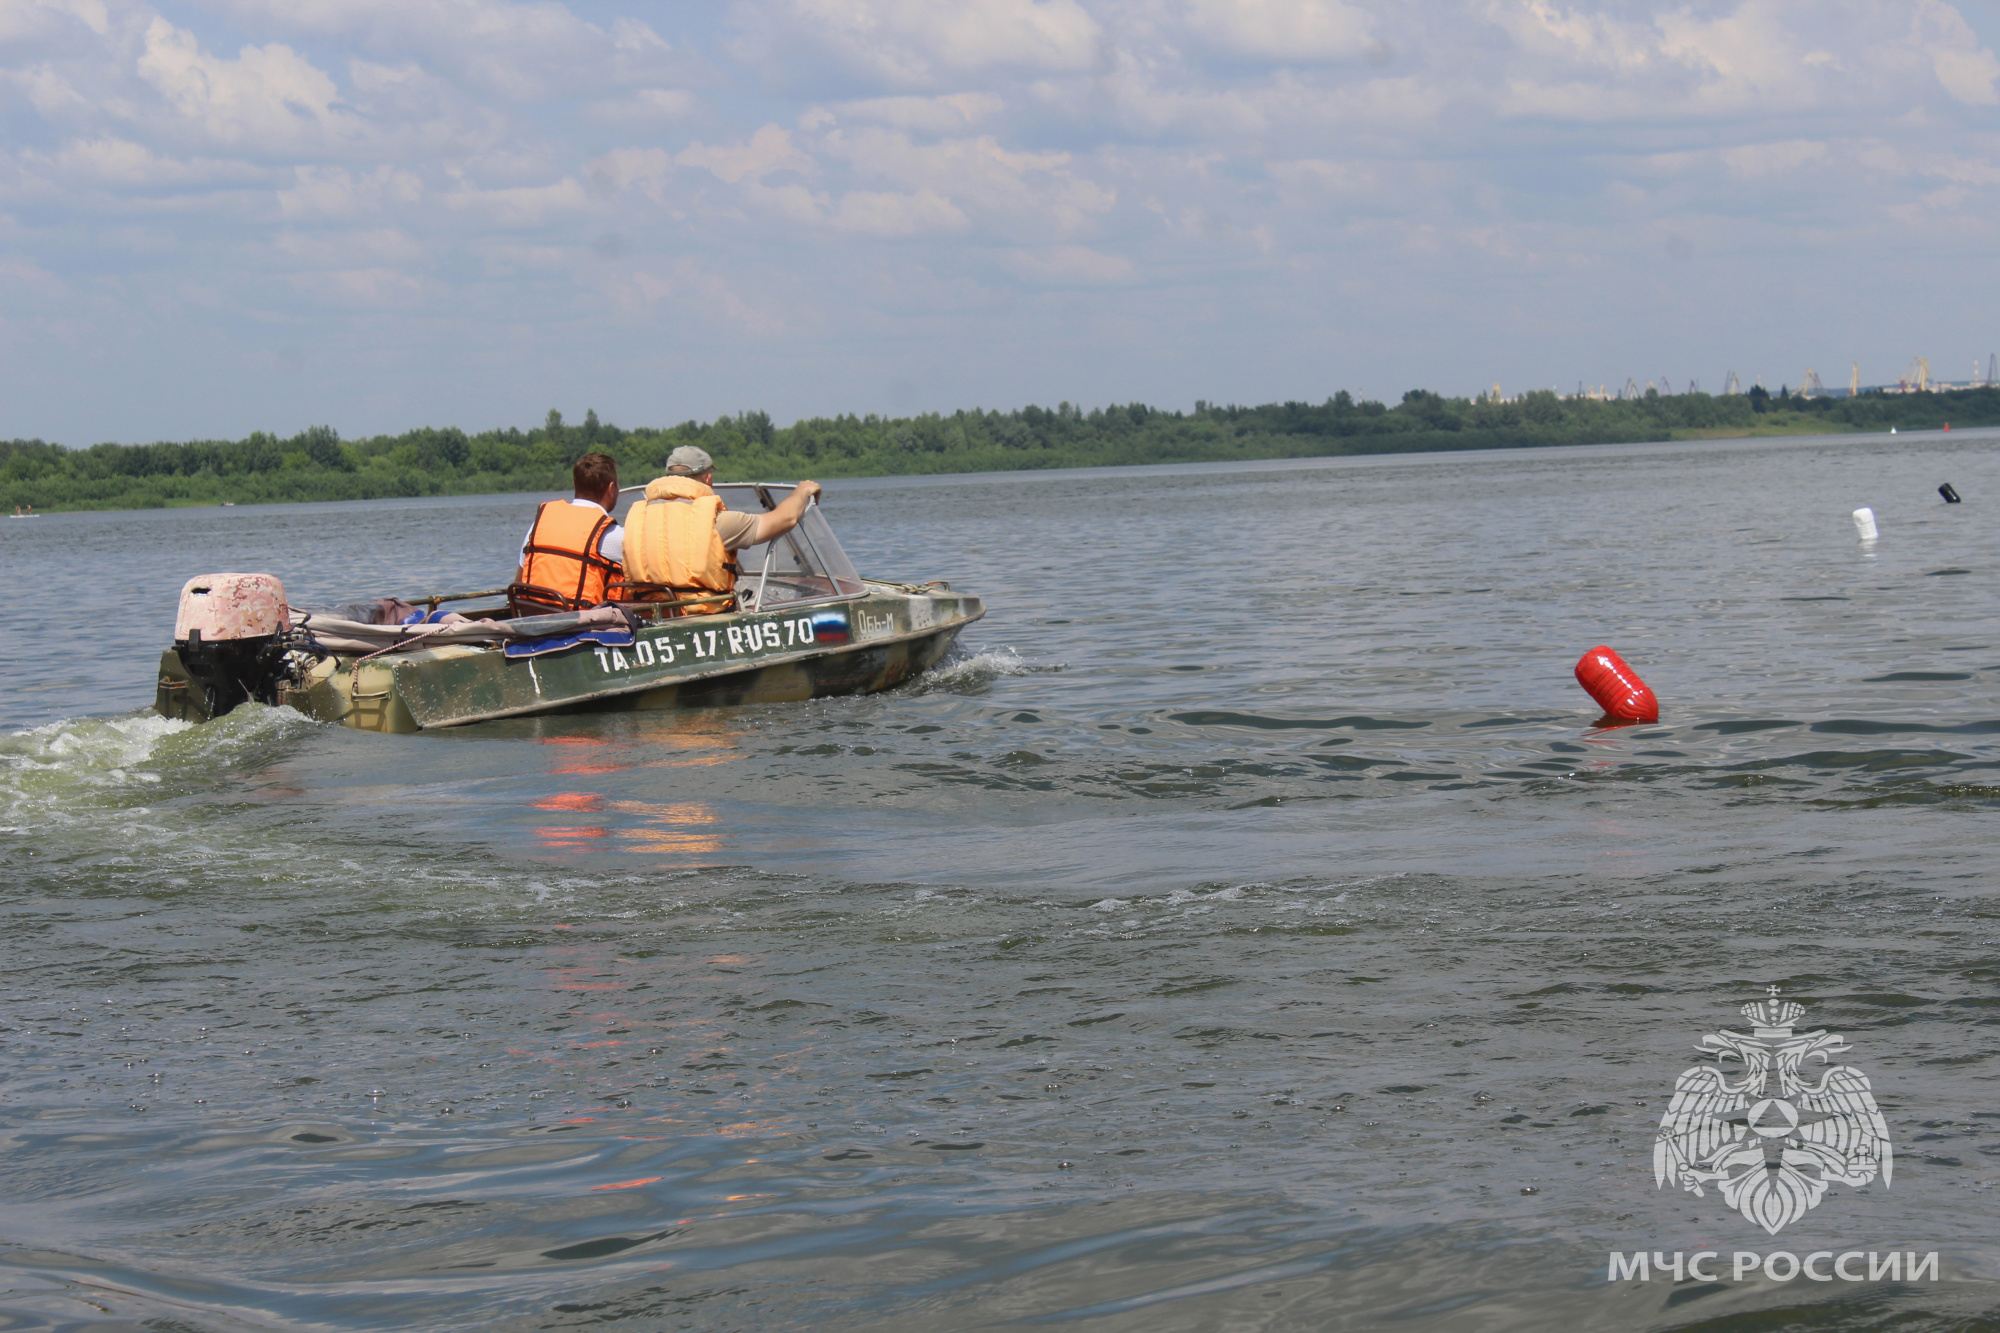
(230, 636)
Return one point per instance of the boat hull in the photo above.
(857, 646)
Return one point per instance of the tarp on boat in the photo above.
(337, 634)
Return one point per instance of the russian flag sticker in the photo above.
(830, 627)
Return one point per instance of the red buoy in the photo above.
(1616, 686)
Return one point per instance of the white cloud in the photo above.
(1256, 179)
(1327, 175)
(874, 213)
(521, 52)
(1022, 191)
(375, 287)
(268, 97)
(769, 150)
(918, 43)
(941, 186)
(121, 164)
(1281, 31)
(637, 37)
(864, 212)
(647, 105)
(347, 249)
(50, 93)
(1070, 266)
(1759, 161)
(336, 193)
(1966, 69)
(1963, 171)
(1750, 57)
(522, 205)
(27, 278)
(25, 20)
(697, 291)
(950, 114)
(646, 170)
(512, 259)
(1585, 65)
(1968, 75)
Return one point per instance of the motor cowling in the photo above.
(230, 635)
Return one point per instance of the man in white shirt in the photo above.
(574, 549)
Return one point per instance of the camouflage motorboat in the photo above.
(802, 624)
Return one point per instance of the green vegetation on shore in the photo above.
(318, 465)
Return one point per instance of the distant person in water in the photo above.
(574, 549)
(683, 540)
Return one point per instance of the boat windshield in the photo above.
(804, 565)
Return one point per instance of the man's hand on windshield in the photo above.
(786, 516)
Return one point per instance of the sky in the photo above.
(219, 216)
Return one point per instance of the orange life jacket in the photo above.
(562, 565)
(670, 540)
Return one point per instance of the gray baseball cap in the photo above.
(689, 458)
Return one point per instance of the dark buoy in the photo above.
(1950, 495)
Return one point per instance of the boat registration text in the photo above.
(725, 642)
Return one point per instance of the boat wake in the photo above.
(962, 672)
(60, 772)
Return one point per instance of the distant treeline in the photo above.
(318, 465)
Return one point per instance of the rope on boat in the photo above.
(914, 589)
(405, 642)
(625, 605)
(433, 600)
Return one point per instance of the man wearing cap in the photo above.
(681, 538)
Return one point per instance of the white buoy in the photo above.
(1864, 523)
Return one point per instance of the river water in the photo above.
(1248, 928)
